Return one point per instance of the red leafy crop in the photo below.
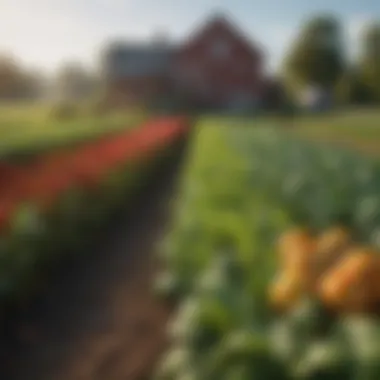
(45, 179)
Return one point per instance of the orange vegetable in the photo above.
(299, 238)
(333, 239)
(330, 247)
(351, 285)
(296, 249)
(285, 291)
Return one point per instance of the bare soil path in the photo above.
(99, 319)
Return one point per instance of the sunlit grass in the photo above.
(34, 127)
(356, 129)
(360, 124)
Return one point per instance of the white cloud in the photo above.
(357, 24)
(42, 33)
(46, 32)
(354, 28)
(277, 40)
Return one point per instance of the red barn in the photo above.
(216, 66)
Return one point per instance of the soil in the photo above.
(99, 319)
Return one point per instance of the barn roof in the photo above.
(137, 59)
(220, 19)
(126, 59)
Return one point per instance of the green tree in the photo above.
(351, 89)
(18, 83)
(369, 62)
(74, 82)
(317, 56)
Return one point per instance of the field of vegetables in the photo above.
(54, 204)
(354, 129)
(362, 124)
(251, 305)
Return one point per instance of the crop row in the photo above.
(27, 131)
(242, 189)
(54, 204)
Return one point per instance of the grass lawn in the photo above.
(355, 129)
(33, 127)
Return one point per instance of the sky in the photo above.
(45, 33)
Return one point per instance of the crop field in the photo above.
(57, 201)
(358, 129)
(274, 259)
(273, 255)
(354, 129)
(361, 124)
(35, 128)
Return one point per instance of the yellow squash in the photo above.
(351, 285)
(296, 249)
(330, 247)
(285, 291)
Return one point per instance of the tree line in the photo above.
(319, 57)
(71, 81)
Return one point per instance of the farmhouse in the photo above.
(215, 66)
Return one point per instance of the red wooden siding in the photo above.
(218, 80)
(196, 72)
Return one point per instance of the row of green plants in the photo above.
(54, 208)
(241, 189)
